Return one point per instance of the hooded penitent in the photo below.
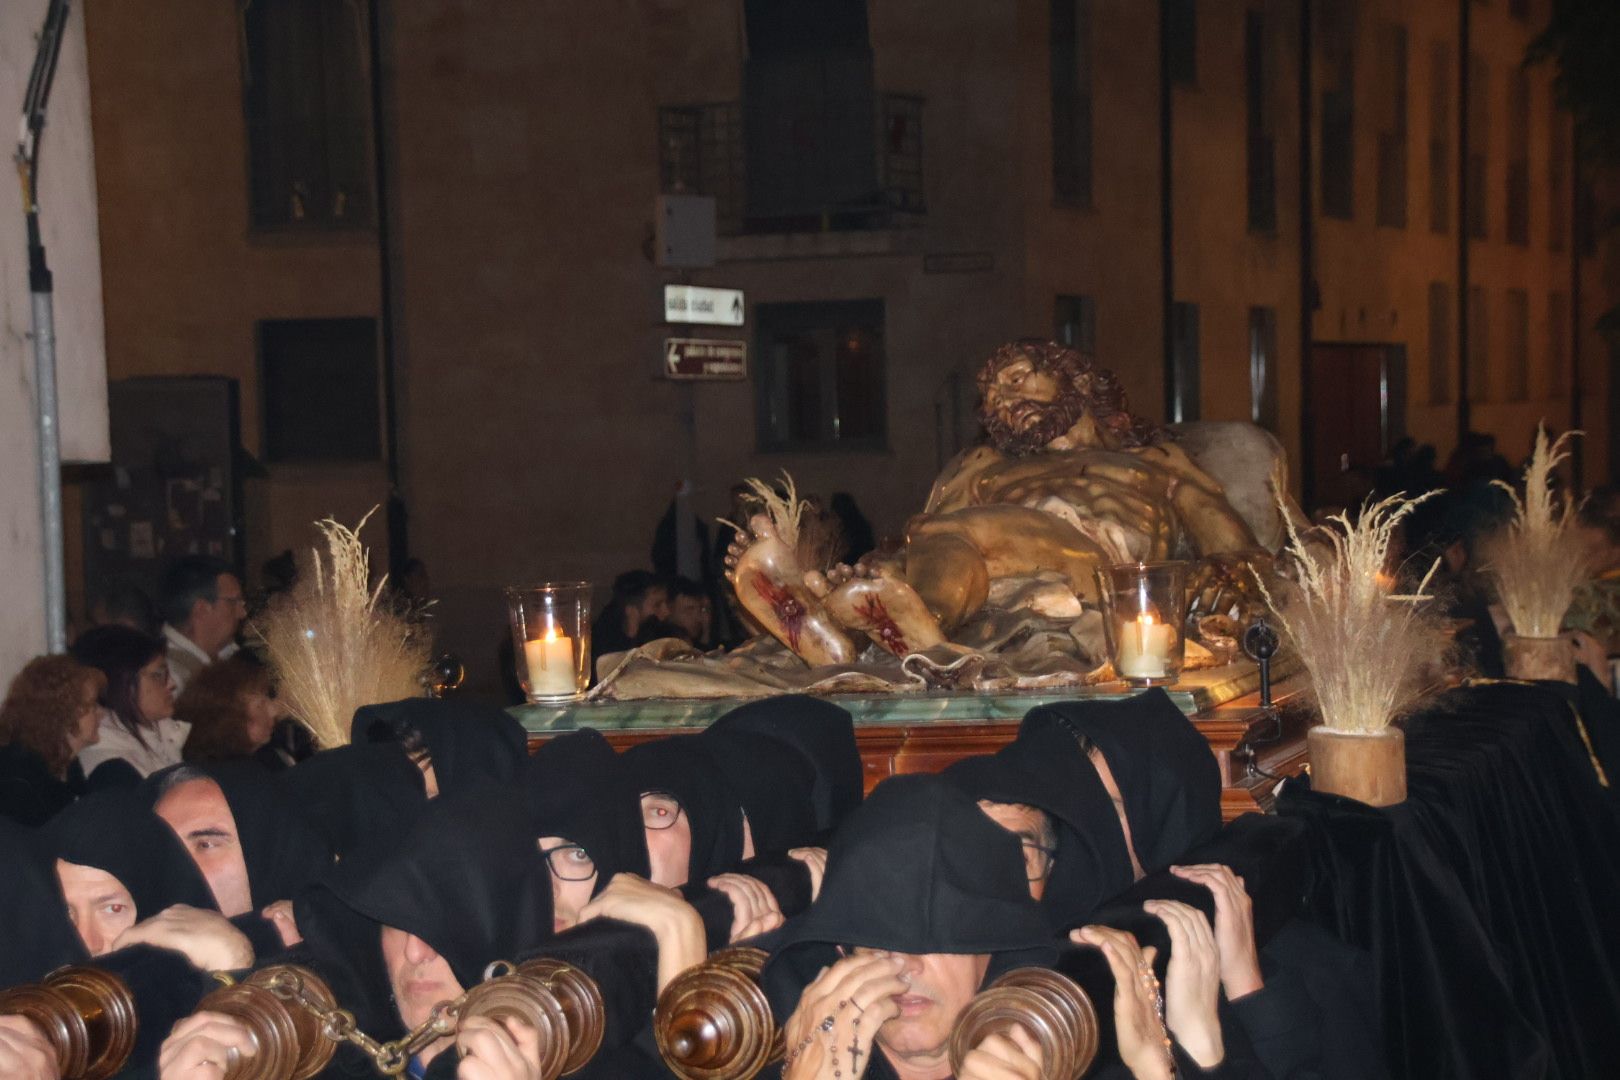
(682, 766)
(823, 733)
(1045, 769)
(917, 869)
(355, 796)
(774, 783)
(1166, 773)
(466, 879)
(470, 744)
(577, 787)
(117, 832)
(39, 937)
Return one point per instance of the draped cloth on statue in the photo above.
(1487, 897)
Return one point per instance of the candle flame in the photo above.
(1146, 618)
(551, 633)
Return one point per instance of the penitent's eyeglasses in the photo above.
(660, 810)
(570, 862)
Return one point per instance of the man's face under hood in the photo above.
(941, 985)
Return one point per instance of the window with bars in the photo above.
(1518, 171)
(1184, 375)
(1440, 83)
(1479, 131)
(1338, 112)
(1069, 39)
(1074, 322)
(1441, 378)
(307, 102)
(1181, 18)
(1479, 376)
(1262, 142)
(1391, 89)
(820, 376)
(1263, 367)
(1558, 365)
(1558, 189)
(1516, 317)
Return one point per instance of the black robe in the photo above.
(39, 937)
(683, 767)
(823, 733)
(774, 783)
(576, 786)
(471, 744)
(355, 796)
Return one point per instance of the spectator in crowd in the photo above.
(638, 596)
(691, 612)
(203, 608)
(232, 711)
(858, 536)
(123, 604)
(50, 713)
(138, 732)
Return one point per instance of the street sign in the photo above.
(696, 304)
(705, 358)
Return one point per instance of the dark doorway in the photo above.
(1357, 397)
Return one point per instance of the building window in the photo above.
(318, 390)
(1558, 366)
(1516, 313)
(1338, 108)
(1479, 382)
(1440, 376)
(820, 376)
(1262, 141)
(1070, 42)
(1074, 323)
(1263, 367)
(1392, 125)
(1479, 130)
(1518, 174)
(1181, 23)
(1184, 390)
(1440, 77)
(1558, 190)
(305, 93)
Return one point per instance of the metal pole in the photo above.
(1465, 201)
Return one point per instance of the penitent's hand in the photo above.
(490, 1050)
(206, 938)
(1144, 1047)
(1014, 1056)
(1234, 926)
(754, 907)
(815, 859)
(831, 1032)
(1192, 983)
(674, 923)
(280, 915)
(24, 1052)
(205, 1044)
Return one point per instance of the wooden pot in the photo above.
(1370, 768)
(1534, 658)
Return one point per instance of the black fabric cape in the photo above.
(116, 831)
(470, 743)
(1165, 771)
(354, 796)
(917, 869)
(774, 783)
(682, 766)
(1044, 768)
(577, 787)
(29, 794)
(823, 733)
(39, 936)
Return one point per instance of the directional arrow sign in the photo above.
(705, 358)
(696, 304)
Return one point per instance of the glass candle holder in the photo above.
(551, 639)
(1144, 609)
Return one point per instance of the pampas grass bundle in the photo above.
(1538, 559)
(336, 643)
(1364, 645)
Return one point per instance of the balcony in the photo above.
(702, 151)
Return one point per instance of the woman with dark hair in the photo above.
(51, 712)
(138, 726)
(232, 713)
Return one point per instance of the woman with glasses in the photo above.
(138, 728)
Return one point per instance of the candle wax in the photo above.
(551, 666)
(1144, 649)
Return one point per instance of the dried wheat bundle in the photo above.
(336, 643)
(785, 509)
(1364, 645)
(1538, 558)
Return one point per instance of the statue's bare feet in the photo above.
(772, 587)
(883, 607)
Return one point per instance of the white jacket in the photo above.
(163, 745)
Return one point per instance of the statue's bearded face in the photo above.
(1027, 403)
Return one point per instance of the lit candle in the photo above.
(551, 665)
(1144, 649)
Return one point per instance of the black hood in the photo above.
(1165, 770)
(823, 733)
(467, 879)
(774, 783)
(919, 869)
(39, 935)
(355, 796)
(470, 744)
(282, 851)
(682, 766)
(576, 786)
(116, 831)
(1044, 768)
